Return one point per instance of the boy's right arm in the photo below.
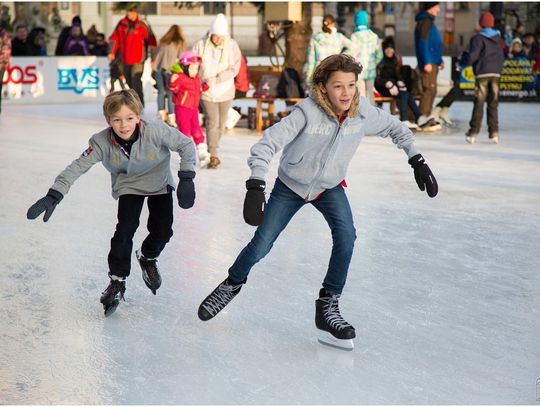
(63, 182)
(274, 139)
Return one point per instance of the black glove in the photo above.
(254, 202)
(186, 189)
(45, 204)
(423, 175)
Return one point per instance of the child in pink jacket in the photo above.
(186, 87)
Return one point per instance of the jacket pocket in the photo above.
(299, 171)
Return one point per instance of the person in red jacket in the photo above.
(186, 88)
(129, 39)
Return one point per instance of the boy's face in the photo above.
(340, 89)
(123, 122)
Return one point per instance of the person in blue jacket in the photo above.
(319, 139)
(428, 46)
(485, 54)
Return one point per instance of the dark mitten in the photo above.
(423, 175)
(254, 202)
(186, 189)
(45, 204)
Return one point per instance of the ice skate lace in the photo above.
(220, 298)
(333, 316)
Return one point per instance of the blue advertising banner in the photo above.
(518, 81)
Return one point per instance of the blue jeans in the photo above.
(162, 79)
(406, 100)
(282, 205)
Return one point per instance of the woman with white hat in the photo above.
(220, 64)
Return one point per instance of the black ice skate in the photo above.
(218, 299)
(333, 329)
(150, 272)
(110, 298)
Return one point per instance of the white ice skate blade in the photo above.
(328, 339)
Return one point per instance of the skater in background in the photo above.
(428, 46)
(325, 43)
(368, 52)
(170, 46)
(486, 56)
(5, 57)
(319, 139)
(186, 88)
(221, 59)
(137, 154)
(128, 42)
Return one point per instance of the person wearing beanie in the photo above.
(368, 53)
(391, 82)
(221, 59)
(64, 35)
(486, 56)
(428, 46)
(325, 43)
(487, 20)
(516, 50)
(429, 4)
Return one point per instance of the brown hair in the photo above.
(334, 63)
(327, 20)
(115, 100)
(173, 35)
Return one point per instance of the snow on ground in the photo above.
(444, 293)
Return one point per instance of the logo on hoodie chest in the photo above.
(320, 128)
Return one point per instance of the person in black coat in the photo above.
(485, 54)
(391, 82)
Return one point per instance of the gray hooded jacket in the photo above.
(147, 171)
(317, 149)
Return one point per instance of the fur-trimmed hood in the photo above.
(324, 103)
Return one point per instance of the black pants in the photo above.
(449, 98)
(485, 90)
(159, 226)
(133, 75)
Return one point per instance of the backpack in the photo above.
(290, 85)
(241, 81)
(267, 87)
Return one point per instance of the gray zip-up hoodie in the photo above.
(147, 171)
(317, 149)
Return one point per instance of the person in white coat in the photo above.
(220, 64)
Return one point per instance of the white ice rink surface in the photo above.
(444, 293)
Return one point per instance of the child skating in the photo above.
(319, 139)
(137, 154)
(186, 88)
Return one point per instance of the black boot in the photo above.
(150, 272)
(334, 330)
(110, 298)
(218, 299)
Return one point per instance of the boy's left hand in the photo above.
(423, 175)
(186, 189)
